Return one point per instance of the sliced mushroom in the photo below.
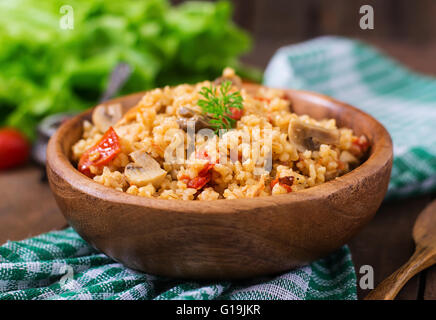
(187, 114)
(144, 170)
(198, 121)
(310, 137)
(104, 116)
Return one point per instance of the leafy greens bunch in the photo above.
(45, 69)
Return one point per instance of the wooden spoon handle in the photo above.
(389, 288)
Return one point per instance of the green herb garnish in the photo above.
(218, 105)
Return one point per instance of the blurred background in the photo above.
(405, 29)
(45, 69)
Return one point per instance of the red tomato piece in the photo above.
(204, 176)
(274, 182)
(288, 188)
(236, 113)
(198, 182)
(185, 179)
(202, 155)
(267, 100)
(285, 182)
(206, 170)
(14, 148)
(104, 151)
(362, 142)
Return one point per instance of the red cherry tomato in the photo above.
(105, 150)
(14, 148)
(236, 113)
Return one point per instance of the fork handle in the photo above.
(421, 259)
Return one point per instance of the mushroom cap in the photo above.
(105, 116)
(144, 170)
(200, 121)
(309, 137)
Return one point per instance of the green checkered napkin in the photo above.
(60, 265)
(404, 101)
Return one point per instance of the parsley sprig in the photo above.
(218, 103)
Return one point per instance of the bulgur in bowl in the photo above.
(275, 151)
(302, 189)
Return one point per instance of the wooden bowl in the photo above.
(225, 239)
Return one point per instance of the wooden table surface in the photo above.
(27, 207)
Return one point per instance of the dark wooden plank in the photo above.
(417, 57)
(430, 284)
(289, 20)
(296, 20)
(244, 14)
(386, 243)
(27, 206)
(414, 22)
(429, 290)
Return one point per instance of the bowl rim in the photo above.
(381, 154)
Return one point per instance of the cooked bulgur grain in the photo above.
(299, 157)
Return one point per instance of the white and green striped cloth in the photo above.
(60, 265)
(403, 101)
